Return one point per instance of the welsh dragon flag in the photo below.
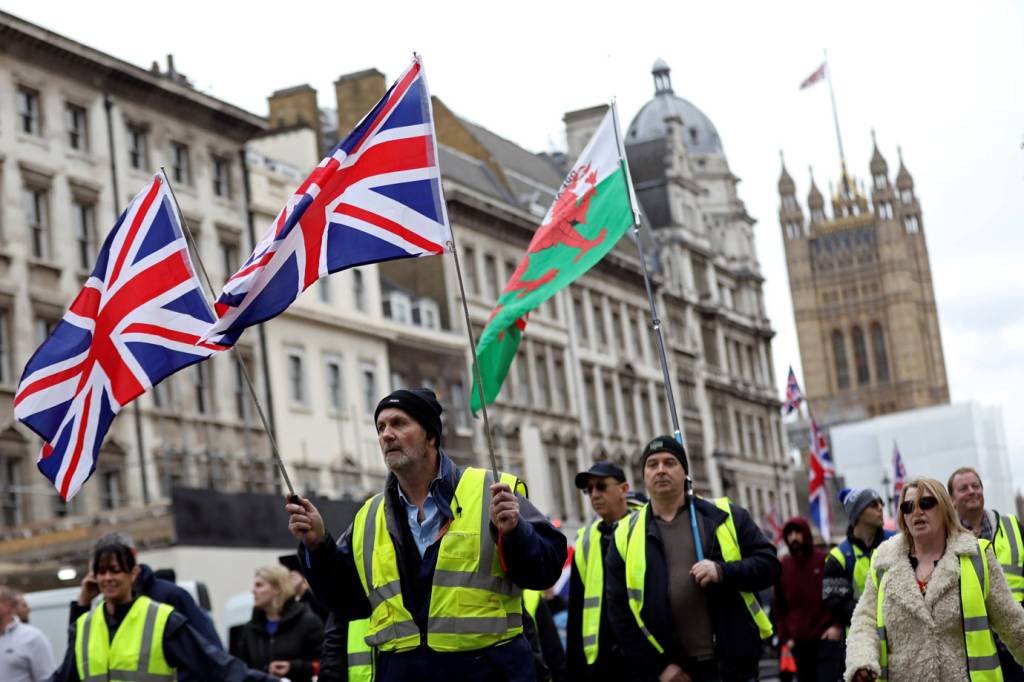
(590, 213)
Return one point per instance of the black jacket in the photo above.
(297, 640)
(736, 638)
(534, 554)
(334, 652)
(184, 648)
(836, 586)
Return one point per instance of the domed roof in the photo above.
(700, 135)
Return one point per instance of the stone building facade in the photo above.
(862, 295)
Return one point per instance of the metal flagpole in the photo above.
(656, 326)
(835, 119)
(292, 496)
(476, 365)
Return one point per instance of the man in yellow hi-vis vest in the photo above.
(1007, 538)
(679, 618)
(437, 561)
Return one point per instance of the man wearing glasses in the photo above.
(592, 651)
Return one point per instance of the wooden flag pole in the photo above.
(278, 462)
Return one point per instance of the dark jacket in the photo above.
(837, 587)
(736, 638)
(798, 611)
(334, 651)
(297, 640)
(534, 554)
(184, 648)
(166, 592)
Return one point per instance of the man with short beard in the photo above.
(437, 561)
(801, 620)
(1004, 532)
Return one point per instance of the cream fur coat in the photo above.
(925, 632)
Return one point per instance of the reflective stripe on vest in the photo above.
(1008, 548)
(730, 546)
(590, 564)
(473, 604)
(360, 656)
(632, 546)
(982, 656)
(136, 651)
(531, 600)
(858, 573)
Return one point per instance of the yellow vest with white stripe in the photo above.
(360, 655)
(632, 546)
(473, 604)
(1009, 549)
(982, 657)
(136, 654)
(590, 565)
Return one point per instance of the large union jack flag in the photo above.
(138, 319)
(821, 470)
(375, 197)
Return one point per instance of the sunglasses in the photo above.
(926, 503)
(599, 487)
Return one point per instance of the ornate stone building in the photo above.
(862, 296)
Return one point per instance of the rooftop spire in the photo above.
(662, 80)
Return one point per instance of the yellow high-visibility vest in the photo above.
(1008, 548)
(136, 654)
(632, 546)
(360, 655)
(473, 603)
(590, 564)
(982, 656)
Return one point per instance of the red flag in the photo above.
(818, 74)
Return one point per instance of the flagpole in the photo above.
(278, 462)
(835, 118)
(656, 325)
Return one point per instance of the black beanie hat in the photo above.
(666, 444)
(420, 404)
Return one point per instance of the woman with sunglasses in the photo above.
(935, 595)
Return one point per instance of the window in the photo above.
(397, 307)
(369, 379)
(885, 210)
(358, 290)
(839, 357)
(468, 263)
(459, 406)
(43, 328)
(880, 181)
(540, 368)
(78, 137)
(710, 341)
(907, 196)
(296, 379)
(163, 394)
(201, 379)
(84, 215)
(332, 368)
(323, 289)
(561, 387)
(229, 257)
(181, 163)
(629, 409)
(860, 357)
(616, 328)
(599, 330)
(590, 397)
(6, 374)
(37, 216)
(398, 380)
(911, 224)
(491, 276)
(881, 358)
(10, 491)
(609, 407)
(138, 147)
(111, 489)
(241, 393)
(29, 114)
(222, 177)
(581, 323)
(525, 395)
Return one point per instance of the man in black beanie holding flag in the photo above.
(436, 561)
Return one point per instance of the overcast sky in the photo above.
(941, 79)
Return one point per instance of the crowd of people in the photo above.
(447, 574)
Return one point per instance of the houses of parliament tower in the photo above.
(862, 295)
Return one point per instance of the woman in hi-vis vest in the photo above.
(128, 637)
(934, 597)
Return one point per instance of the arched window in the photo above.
(860, 356)
(839, 355)
(881, 359)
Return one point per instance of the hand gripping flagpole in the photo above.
(656, 326)
(278, 462)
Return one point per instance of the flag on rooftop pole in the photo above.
(794, 396)
(818, 75)
(821, 471)
(375, 197)
(137, 320)
(899, 475)
(588, 216)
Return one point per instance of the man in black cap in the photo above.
(592, 651)
(436, 561)
(678, 616)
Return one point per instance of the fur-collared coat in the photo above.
(925, 632)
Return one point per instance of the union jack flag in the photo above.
(821, 470)
(794, 396)
(137, 320)
(818, 74)
(899, 474)
(375, 197)
(774, 527)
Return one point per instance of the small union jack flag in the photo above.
(818, 74)
(899, 474)
(774, 526)
(375, 197)
(821, 470)
(794, 396)
(137, 320)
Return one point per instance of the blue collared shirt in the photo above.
(423, 532)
